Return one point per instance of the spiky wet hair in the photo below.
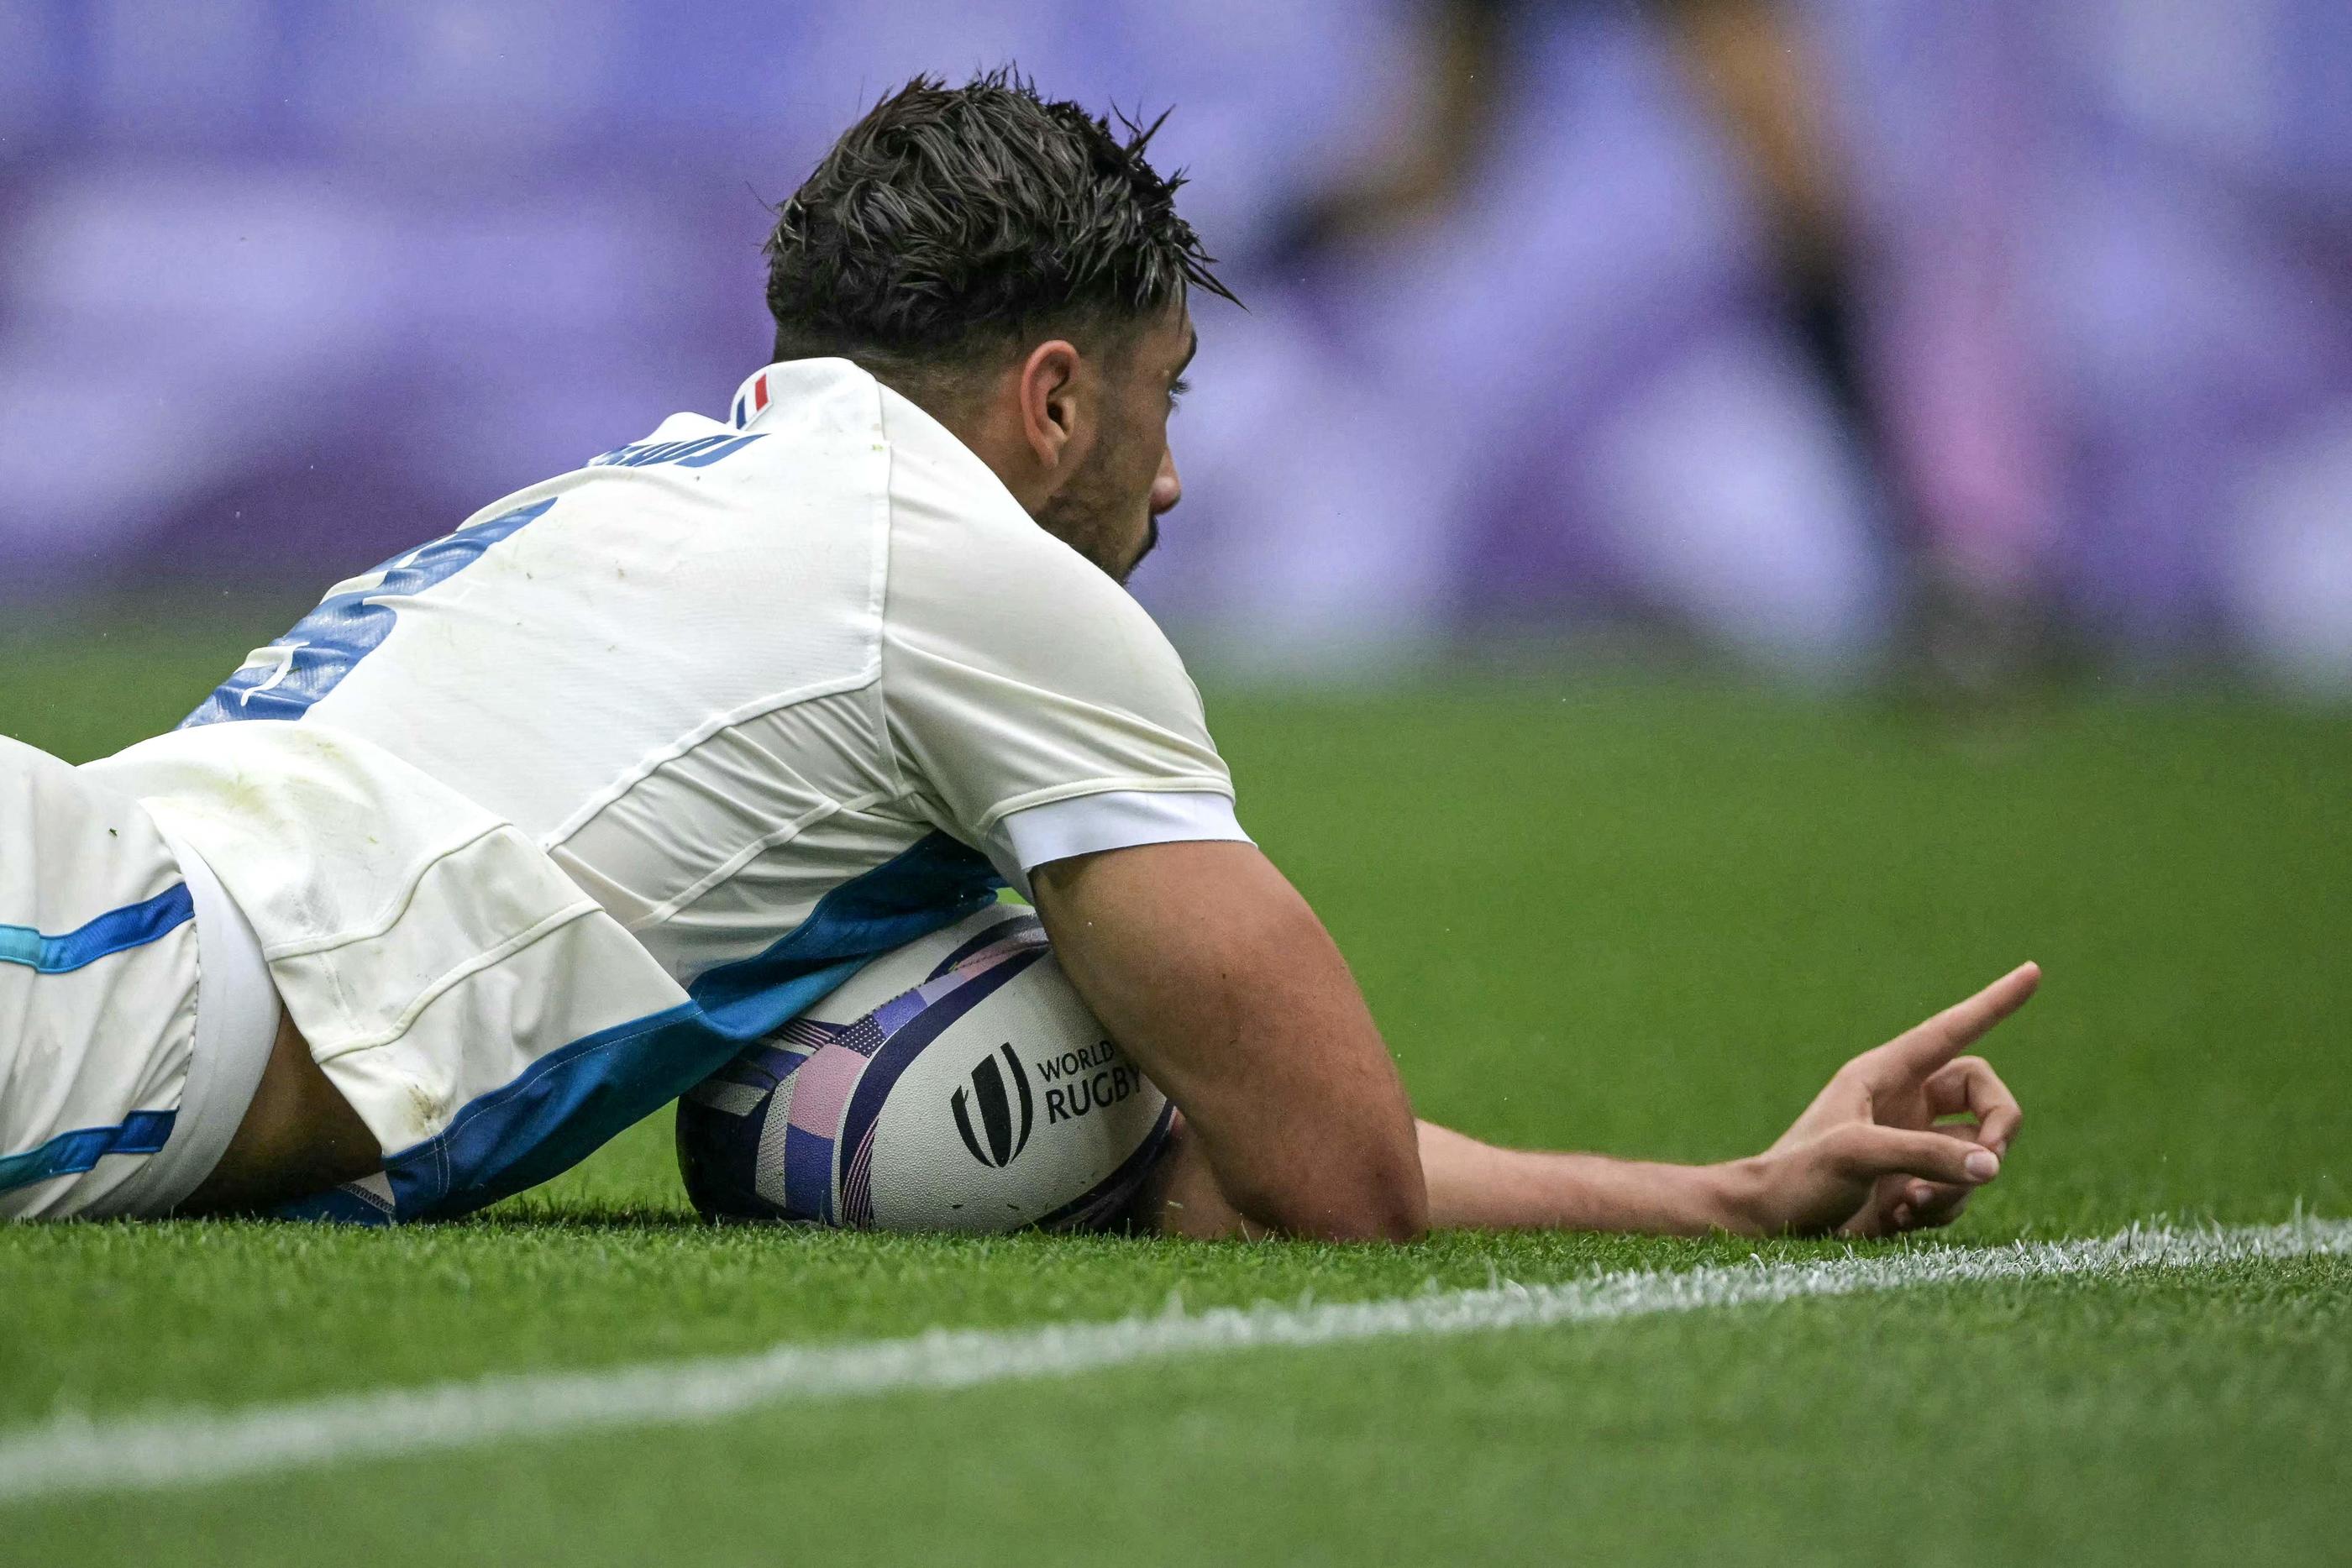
(954, 223)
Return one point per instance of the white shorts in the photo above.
(136, 1012)
(484, 1017)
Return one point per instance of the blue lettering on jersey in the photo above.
(284, 679)
(700, 453)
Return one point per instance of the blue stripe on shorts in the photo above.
(70, 1153)
(117, 931)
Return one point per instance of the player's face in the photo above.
(1109, 510)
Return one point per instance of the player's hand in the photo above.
(1868, 1157)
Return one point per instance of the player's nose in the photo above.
(1167, 489)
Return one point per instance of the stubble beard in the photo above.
(1088, 515)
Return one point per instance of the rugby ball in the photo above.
(956, 1084)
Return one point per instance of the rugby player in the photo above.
(521, 835)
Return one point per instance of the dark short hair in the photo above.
(954, 223)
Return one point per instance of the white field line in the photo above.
(75, 1454)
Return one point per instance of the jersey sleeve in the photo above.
(1037, 709)
(1118, 819)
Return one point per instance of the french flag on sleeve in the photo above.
(748, 403)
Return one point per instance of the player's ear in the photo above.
(1052, 404)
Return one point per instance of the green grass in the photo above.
(1636, 917)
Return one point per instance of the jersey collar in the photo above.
(765, 389)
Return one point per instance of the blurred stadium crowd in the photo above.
(1832, 336)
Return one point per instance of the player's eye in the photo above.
(1176, 390)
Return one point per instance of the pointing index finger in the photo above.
(1920, 1051)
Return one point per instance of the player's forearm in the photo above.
(1477, 1186)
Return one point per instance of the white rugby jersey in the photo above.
(777, 693)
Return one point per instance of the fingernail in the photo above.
(1982, 1165)
(1902, 1216)
(1920, 1196)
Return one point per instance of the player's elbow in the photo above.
(1396, 1212)
(1377, 1196)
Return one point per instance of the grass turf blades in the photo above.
(1640, 918)
(74, 1454)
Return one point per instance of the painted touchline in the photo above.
(77, 1454)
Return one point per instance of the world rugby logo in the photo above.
(1004, 1142)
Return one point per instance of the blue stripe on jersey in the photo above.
(700, 453)
(70, 1153)
(567, 1102)
(561, 1109)
(327, 645)
(115, 931)
(933, 882)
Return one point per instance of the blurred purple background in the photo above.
(1833, 337)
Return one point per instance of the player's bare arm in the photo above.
(1210, 968)
(1898, 1141)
